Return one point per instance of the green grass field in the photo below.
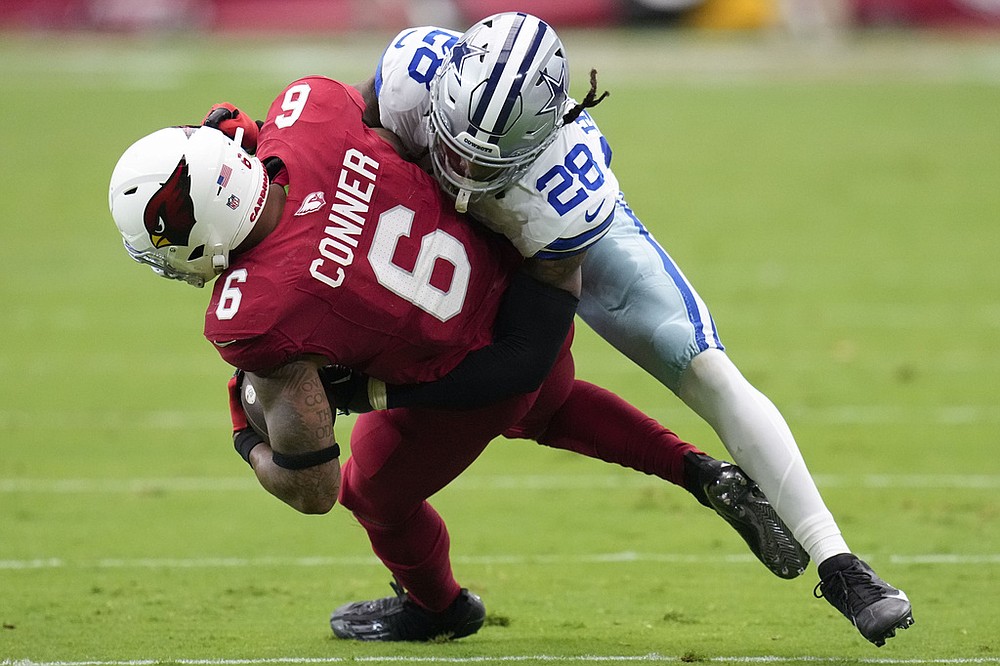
(837, 205)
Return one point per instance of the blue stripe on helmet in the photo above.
(518, 81)
(477, 115)
(378, 78)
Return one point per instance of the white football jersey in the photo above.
(563, 204)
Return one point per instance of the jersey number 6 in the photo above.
(415, 286)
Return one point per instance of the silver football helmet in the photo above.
(183, 198)
(496, 104)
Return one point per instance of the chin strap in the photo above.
(462, 201)
(220, 261)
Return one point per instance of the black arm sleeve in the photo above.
(531, 325)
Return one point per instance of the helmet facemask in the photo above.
(467, 175)
(163, 266)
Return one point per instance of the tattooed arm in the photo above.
(300, 425)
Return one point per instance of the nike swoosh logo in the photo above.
(590, 217)
(222, 344)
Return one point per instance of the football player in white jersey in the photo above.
(488, 113)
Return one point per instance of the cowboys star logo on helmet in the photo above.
(557, 94)
(461, 52)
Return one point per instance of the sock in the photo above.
(694, 481)
(598, 424)
(760, 442)
(416, 552)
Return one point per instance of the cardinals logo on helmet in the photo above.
(169, 215)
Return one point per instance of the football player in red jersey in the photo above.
(359, 262)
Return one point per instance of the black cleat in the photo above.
(400, 619)
(733, 495)
(876, 608)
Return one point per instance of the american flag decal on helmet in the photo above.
(224, 175)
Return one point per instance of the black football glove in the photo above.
(346, 389)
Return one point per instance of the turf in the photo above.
(836, 204)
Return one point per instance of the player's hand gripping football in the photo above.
(346, 389)
(227, 119)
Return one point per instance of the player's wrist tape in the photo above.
(296, 461)
(378, 397)
(244, 441)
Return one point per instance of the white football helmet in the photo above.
(496, 104)
(183, 198)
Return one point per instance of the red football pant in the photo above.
(598, 424)
(401, 457)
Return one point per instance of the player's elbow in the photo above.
(525, 365)
(531, 380)
(312, 490)
(314, 505)
(315, 502)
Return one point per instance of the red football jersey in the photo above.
(370, 266)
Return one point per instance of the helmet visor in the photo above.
(478, 176)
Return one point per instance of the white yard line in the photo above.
(588, 658)
(625, 56)
(478, 483)
(834, 415)
(624, 557)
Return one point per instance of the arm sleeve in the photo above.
(531, 326)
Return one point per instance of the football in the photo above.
(339, 383)
(253, 409)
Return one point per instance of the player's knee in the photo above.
(316, 505)
(710, 372)
(373, 504)
(673, 350)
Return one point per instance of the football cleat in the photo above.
(733, 495)
(398, 618)
(876, 608)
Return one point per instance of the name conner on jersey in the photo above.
(348, 215)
